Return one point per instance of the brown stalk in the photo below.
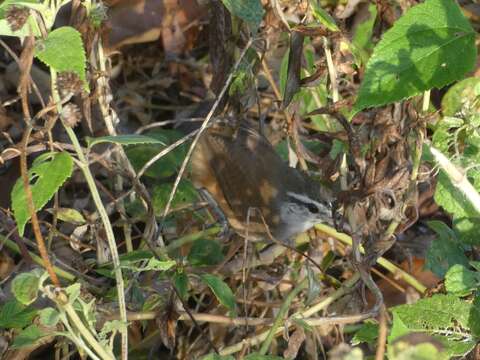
(382, 335)
(31, 209)
(26, 60)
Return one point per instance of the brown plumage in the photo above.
(241, 171)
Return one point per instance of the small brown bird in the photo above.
(249, 181)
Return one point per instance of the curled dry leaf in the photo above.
(294, 342)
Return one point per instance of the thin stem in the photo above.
(281, 315)
(72, 336)
(426, 101)
(83, 164)
(108, 114)
(382, 335)
(62, 301)
(332, 72)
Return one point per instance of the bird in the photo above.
(260, 195)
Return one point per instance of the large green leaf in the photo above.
(63, 51)
(430, 46)
(445, 317)
(48, 173)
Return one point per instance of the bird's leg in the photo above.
(218, 213)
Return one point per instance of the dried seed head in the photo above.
(71, 115)
(69, 83)
(17, 17)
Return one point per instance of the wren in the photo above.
(259, 194)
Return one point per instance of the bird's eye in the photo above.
(312, 208)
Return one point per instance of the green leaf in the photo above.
(205, 252)
(398, 328)
(25, 287)
(168, 164)
(135, 255)
(362, 44)
(368, 333)
(186, 194)
(48, 173)
(283, 72)
(221, 291)
(73, 292)
(460, 281)
(13, 314)
(445, 251)
(460, 97)
(338, 147)
(151, 303)
(69, 215)
(251, 11)
(28, 337)
(159, 265)
(314, 285)
(412, 350)
(466, 220)
(443, 137)
(435, 313)
(214, 356)
(153, 264)
(180, 280)
(256, 356)
(63, 51)
(244, 87)
(322, 16)
(430, 46)
(49, 316)
(475, 316)
(112, 326)
(131, 139)
(475, 265)
(445, 317)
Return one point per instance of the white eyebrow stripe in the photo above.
(324, 208)
(303, 198)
